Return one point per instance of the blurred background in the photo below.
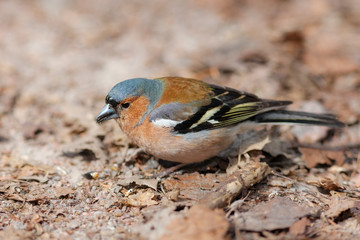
(59, 59)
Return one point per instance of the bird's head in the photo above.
(126, 95)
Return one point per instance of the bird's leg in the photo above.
(170, 170)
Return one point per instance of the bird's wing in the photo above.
(172, 114)
(224, 107)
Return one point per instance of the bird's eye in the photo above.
(125, 105)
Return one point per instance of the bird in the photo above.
(188, 121)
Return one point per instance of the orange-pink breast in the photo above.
(189, 148)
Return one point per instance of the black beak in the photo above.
(107, 113)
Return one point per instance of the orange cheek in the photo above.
(130, 117)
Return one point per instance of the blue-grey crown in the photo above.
(149, 88)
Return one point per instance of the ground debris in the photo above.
(278, 213)
(199, 222)
(63, 176)
(236, 183)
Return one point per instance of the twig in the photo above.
(236, 183)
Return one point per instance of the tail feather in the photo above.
(268, 105)
(294, 117)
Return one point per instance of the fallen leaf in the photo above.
(15, 197)
(193, 186)
(329, 184)
(275, 181)
(63, 191)
(299, 227)
(142, 198)
(37, 173)
(338, 205)
(278, 213)
(327, 181)
(173, 195)
(277, 147)
(29, 170)
(314, 157)
(256, 143)
(156, 219)
(199, 223)
(246, 142)
(151, 183)
(226, 191)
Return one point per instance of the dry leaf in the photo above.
(200, 223)
(250, 174)
(299, 227)
(248, 141)
(152, 183)
(173, 195)
(338, 205)
(63, 191)
(314, 157)
(142, 198)
(328, 182)
(156, 218)
(193, 186)
(278, 213)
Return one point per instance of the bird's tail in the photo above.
(294, 117)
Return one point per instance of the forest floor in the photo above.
(63, 176)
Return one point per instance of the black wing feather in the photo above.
(227, 107)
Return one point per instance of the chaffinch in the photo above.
(187, 120)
